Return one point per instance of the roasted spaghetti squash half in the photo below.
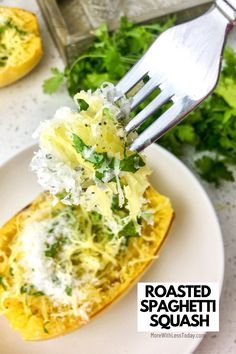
(83, 271)
(20, 44)
(98, 225)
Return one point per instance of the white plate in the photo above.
(193, 252)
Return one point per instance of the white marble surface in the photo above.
(23, 105)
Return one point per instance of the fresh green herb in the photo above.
(120, 211)
(213, 170)
(3, 50)
(11, 272)
(68, 291)
(3, 60)
(10, 25)
(129, 230)
(52, 84)
(62, 195)
(115, 203)
(110, 56)
(95, 217)
(37, 293)
(210, 128)
(78, 143)
(45, 327)
(30, 290)
(2, 283)
(132, 163)
(24, 289)
(3, 28)
(99, 175)
(52, 251)
(96, 158)
(109, 168)
(82, 104)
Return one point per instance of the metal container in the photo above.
(72, 22)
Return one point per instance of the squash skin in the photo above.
(10, 74)
(31, 327)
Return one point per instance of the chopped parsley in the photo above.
(2, 283)
(130, 163)
(82, 104)
(10, 25)
(24, 289)
(30, 290)
(62, 195)
(129, 230)
(95, 217)
(7, 25)
(45, 327)
(3, 60)
(68, 290)
(11, 272)
(53, 250)
(115, 203)
(37, 293)
(96, 158)
(99, 175)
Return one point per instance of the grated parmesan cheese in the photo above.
(68, 180)
(76, 261)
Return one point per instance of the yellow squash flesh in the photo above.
(31, 315)
(23, 53)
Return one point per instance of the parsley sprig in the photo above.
(109, 57)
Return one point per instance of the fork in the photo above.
(184, 63)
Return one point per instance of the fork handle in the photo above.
(228, 9)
